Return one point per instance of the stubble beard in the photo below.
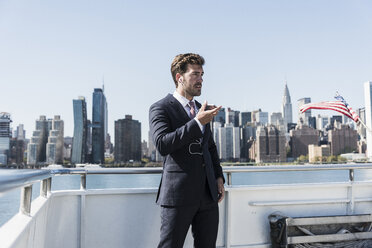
(193, 92)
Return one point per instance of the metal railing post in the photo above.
(229, 178)
(45, 187)
(25, 204)
(350, 194)
(83, 181)
(351, 175)
(49, 185)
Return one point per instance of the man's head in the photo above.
(187, 72)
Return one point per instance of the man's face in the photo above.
(192, 80)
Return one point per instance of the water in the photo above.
(9, 203)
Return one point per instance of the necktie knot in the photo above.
(192, 109)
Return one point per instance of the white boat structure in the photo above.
(111, 218)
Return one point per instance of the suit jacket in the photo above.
(187, 165)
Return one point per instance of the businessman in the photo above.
(192, 182)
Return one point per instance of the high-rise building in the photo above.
(247, 133)
(368, 106)
(342, 139)
(109, 147)
(232, 117)
(277, 120)
(144, 148)
(312, 122)
(99, 126)
(333, 119)
(20, 133)
(304, 116)
(80, 141)
(262, 118)
(270, 145)
(16, 151)
(36, 151)
(229, 142)
(287, 107)
(127, 140)
(301, 138)
(220, 117)
(55, 145)
(322, 122)
(245, 118)
(5, 135)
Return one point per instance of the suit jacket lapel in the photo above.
(178, 107)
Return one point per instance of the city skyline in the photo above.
(54, 52)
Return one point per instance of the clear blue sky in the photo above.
(54, 51)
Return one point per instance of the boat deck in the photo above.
(98, 218)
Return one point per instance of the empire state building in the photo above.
(287, 107)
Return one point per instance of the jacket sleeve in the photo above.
(165, 139)
(215, 158)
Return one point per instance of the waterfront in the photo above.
(9, 202)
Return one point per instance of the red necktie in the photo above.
(192, 110)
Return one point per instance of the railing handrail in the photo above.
(226, 169)
(11, 179)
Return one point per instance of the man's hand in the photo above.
(206, 116)
(221, 189)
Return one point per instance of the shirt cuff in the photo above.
(200, 125)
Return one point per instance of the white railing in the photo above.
(11, 179)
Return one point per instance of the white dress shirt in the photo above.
(185, 104)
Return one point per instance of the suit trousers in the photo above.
(176, 220)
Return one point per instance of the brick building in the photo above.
(342, 139)
(301, 138)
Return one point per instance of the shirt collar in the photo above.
(183, 100)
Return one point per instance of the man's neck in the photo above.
(183, 93)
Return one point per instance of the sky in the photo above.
(51, 52)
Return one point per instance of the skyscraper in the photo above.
(80, 142)
(36, 151)
(5, 135)
(99, 126)
(245, 118)
(232, 116)
(229, 142)
(287, 107)
(342, 139)
(127, 140)
(220, 117)
(55, 145)
(301, 138)
(20, 133)
(270, 145)
(262, 118)
(368, 113)
(306, 115)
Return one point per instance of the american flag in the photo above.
(340, 106)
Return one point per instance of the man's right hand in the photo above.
(206, 116)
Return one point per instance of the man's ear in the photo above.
(178, 76)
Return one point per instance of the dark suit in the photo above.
(190, 170)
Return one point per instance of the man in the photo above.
(192, 182)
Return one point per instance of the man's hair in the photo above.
(180, 62)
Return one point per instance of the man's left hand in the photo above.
(221, 189)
